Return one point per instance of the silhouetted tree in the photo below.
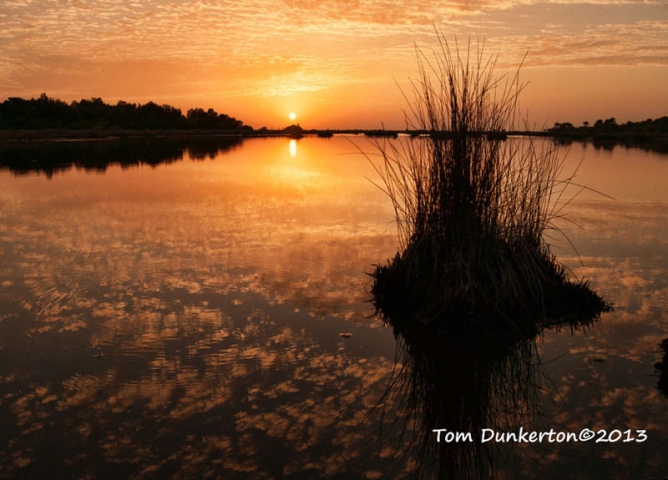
(198, 118)
(294, 131)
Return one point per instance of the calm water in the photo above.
(173, 310)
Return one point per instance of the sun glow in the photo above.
(292, 115)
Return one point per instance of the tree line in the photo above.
(650, 134)
(49, 113)
(610, 128)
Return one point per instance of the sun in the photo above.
(292, 115)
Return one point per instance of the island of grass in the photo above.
(471, 210)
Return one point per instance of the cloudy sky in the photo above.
(335, 63)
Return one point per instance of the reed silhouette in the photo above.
(472, 206)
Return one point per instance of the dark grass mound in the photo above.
(442, 288)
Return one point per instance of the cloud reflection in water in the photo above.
(184, 319)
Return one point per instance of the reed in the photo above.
(471, 206)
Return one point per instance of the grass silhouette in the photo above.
(472, 206)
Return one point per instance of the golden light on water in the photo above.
(293, 147)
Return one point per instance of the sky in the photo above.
(334, 63)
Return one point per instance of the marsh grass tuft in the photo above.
(472, 206)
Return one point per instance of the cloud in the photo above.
(197, 51)
(642, 43)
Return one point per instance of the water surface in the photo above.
(179, 314)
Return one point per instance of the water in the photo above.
(174, 309)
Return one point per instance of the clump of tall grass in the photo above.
(471, 206)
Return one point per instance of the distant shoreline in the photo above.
(656, 141)
(50, 119)
(102, 134)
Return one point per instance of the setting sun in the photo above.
(292, 115)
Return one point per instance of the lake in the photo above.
(200, 309)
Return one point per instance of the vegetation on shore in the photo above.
(48, 113)
(651, 134)
(471, 209)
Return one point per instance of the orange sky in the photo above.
(332, 62)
